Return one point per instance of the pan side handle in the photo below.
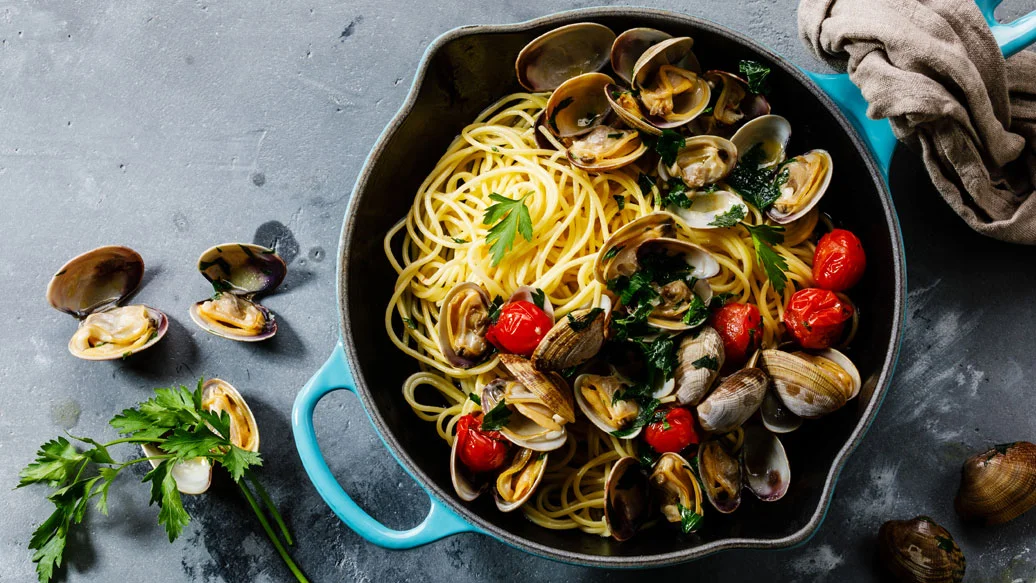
(335, 375)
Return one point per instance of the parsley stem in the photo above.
(271, 507)
(134, 440)
(271, 535)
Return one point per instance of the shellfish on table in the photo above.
(238, 273)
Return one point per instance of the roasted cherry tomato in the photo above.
(741, 328)
(678, 436)
(839, 261)
(520, 328)
(481, 451)
(816, 317)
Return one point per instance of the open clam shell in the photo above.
(775, 416)
(625, 104)
(235, 318)
(701, 161)
(628, 48)
(606, 148)
(678, 98)
(618, 255)
(767, 473)
(720, 475)
(734, 103)
(706, 208)
(627, 498)
(242, 268)
(533, 424)
(808, 176)
(672, 483)
(219, 396)
(731, 403)
(769, 132)
(517, 482)
(467, 485)
(700, 357)
(463, 322)
(595, 397)
(118, 332)
(578, 106)
(562, 53)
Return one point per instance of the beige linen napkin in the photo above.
(933, 68)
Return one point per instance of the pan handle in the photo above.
(1012, 38)
(336, 376)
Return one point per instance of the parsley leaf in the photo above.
(646, 183)
(660, 355)
(720, 300)
(409, 323)
(494, 309)
(647, 412)
(497, 417)
(539, 298)
(553, 119)
(458, 240)
(668, 145)
(55, 464)
(756, 185)
(475, 399)
(613, 251)
(756, 74)
(677, 194)
(511, 216)
(689, 519)
(696, 313)
(646, 455)
(730, 218)
(620, 200)
(583, 322)
(763, 237)
(707, 361)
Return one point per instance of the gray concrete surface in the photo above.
(172, 126)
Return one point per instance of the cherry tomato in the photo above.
(741, 328)
(816, 317)
(677, 437)
(520, 328)
(481, 451)
(839, 261)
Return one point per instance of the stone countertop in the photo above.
(173, 126)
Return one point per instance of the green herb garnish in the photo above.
(646, 183)
(647, 412)
(730, 218)
(458, 240)
(494, 309)
(763, 237)
(613, 251)
(475, 399)
(677, 194)
(720, 300)
(696, 313)
(409, 323)
(511, 216)
(758, 186)
(539, 298)
(583, 322)
(620, 200)
(175, 422)
(497, 417)
(709, 362)
(668, 145)
(689, 519)
(755, 73)
(616, 136)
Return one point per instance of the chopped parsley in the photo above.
(755, 73)
(153, 335)
(758, 186)
(497, 417)
(583, 322)
(689, 519)
(646, 183)
(720, 300)
(553, 119)
(696, 313)
(668, 145)
(539, 298)
(494, 309)
(645, 454)
(510, 216)
(660, 356)
(613, 251)
(616, 136)
(707, 110)
(409, 323)
(763, 238)
(475, 399)
(677, 194)
(645, 416)
(730, 218)
(458, 240)
(707, 361)
(620, 200)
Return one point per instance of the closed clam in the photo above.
(595, 397)
(672, 482)
(92, 287)
(671, 95)
(920, 551)
(720, 475)
(701, 161)
(627, 498)
(574, 339)
(700, 356)
(767, 473)
(733, 401)
(238, 273)
(463, 322)
(811, 385)
(998, 485)
(808, 176)
(562, 53)
(518, 480)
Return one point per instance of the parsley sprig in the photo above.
(763, 239)
(175, 422)
(760, 187)
(510, 216)
(755, 73)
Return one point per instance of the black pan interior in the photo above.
(467, 74)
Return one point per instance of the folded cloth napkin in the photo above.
(933, 68)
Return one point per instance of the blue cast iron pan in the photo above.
(463, 71)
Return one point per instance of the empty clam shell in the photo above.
(732, 402)
(562, 53)
(578, 106)
(767, 473)
(775, 416)
(769, 132)
(627, 498)
(998, 485)
(707, 207)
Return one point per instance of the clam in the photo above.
(811, 385)
(732, 402)
(618, 255)
(720, 475)
(627, 498)
(671, 95)
(808, 176)
(463, 321)
(540, 404)
(775, 416)
(573, 340)
(595, 396)
(673, 481)
(562, 53)
(706, 207)
(700, 357)
(578, 106)
(920, 551)
(194, 476)
(516, 482)
(734, 103)
(628, 48)
(998, 485)
(466, 484)
(770, 133)
(238, 273)
(677, 297)
(92, 287)
(702, 160)
(625, 104)
(606, 148)
(767, 473)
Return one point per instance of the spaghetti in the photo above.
(441, 243)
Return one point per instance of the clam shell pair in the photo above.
(761, 467)
(195, 476)
(239, 272)
(631, 496)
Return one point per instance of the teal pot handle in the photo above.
(335, 375)
(1012, 38)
